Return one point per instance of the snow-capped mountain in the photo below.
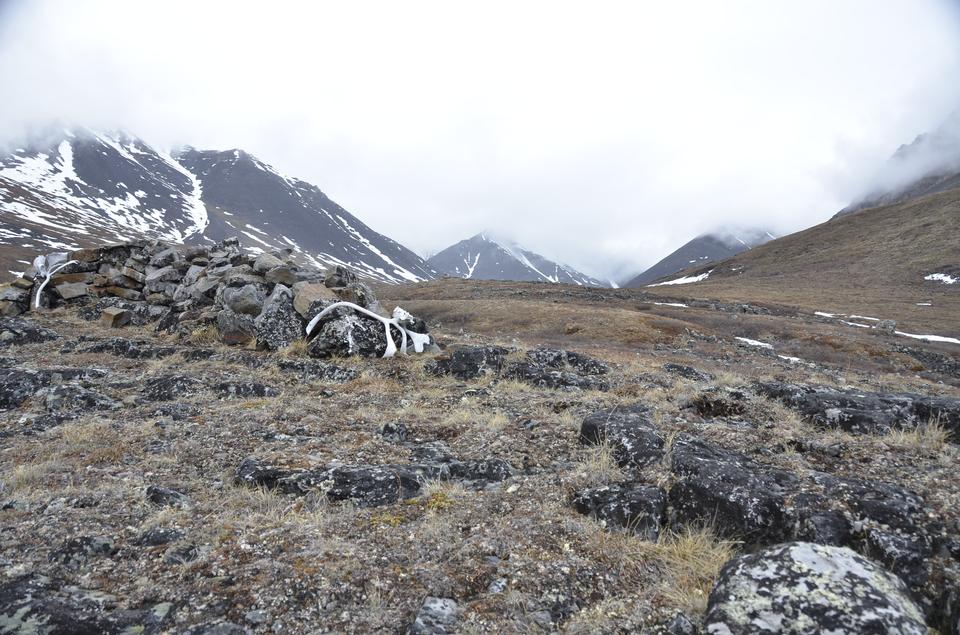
(82, 188)
(483, 258)
(702, 250)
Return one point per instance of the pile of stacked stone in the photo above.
(265, 299)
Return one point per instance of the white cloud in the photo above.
(603, 134)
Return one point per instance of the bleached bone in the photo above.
(419, 340)
(47, 266)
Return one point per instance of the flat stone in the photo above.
(72, 290)
(306, 293)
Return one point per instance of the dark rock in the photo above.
(687, 372)
(719, 403)
(216, 628)
(76, 552)
(394, 432)
(16, 385)
(73, 397)
(743, 499)
(349, 335)
(633, 506)
(562, 360)
(800, 587)
(17, 331)
(165, 497)
(681, 625)
(629, 431)
(235, 328)
(437, 616)
(369, 486)
(866, 412)
(34, 603)
(158, 536)
(244, 390)
(170, 387)
(469, 362)
(130, 349)
(312, 370)
(340, 277)
(279, 325)
(553, 379)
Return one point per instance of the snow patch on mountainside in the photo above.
(684, 280)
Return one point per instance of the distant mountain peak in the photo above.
(484, 257)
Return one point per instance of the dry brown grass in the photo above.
(931, 436)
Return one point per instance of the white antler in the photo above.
(419, 340)
(47, 266)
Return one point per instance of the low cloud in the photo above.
(603, 137)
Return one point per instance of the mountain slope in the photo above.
(701, 250)
(482, 258)
(930, 164)
(872, 263)
(82, 188)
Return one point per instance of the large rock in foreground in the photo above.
(801, 587)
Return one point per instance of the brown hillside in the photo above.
(871, 263)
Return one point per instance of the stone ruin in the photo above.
(267, 300)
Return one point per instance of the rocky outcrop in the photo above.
(543, 368)
(866, 412)
(806, 588)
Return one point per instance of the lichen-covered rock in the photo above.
(17, 331)
(547, 377)
(18, 385)
(313, 370)
(166, 497)
(244, 390)
(628, 430)
(349, 335)
(170, 387)
(639, 508)
(742, 498)
(73, 397)
(561, 360)
(470, 362)
(40, 605)
(437, 616)
(76, 552)
(687, 372)
(865, 412)
(279, 325)
(799, 587)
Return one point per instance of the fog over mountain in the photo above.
(605, 142)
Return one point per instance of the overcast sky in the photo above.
(603, 134)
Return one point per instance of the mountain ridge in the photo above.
(83, 188)
(702, 250)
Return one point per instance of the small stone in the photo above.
(437, 616)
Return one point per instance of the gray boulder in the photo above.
(437, 616)
(247, 299)
(265, 262)
(800, 587)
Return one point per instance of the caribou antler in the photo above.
(47, 266)
(419, 340)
